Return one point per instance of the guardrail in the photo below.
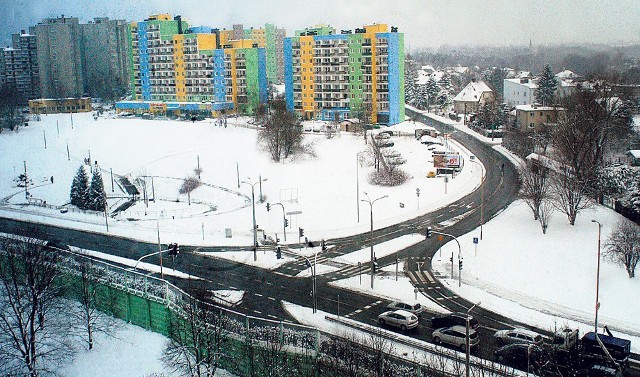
(453, 358)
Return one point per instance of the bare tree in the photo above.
(33, 328)
(91, 319)
(281, 135)
(195, 347)
(535, 186)
(544, 214)
(344, 355)
(362, 112)
(382, 348)
(188, 185)
(623, 246)
(570, 194)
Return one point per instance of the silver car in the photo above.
(399, 318)
(412, 307)
(518, 335)
(456, 336)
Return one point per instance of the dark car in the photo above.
(603, 371)
(526, 357)
(56, 245)
(453, 319)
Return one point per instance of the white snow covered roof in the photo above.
(537, 107)
(408, 126)
(635, 153)
(529, 83)
(566, 74)
(472, 92)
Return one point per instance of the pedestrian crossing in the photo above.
(358, 311)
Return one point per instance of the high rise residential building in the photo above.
(76, 59)
(19, 65)
(105, 57)
(59, 57)
(187, 69)
(270, 38)
(333, 76)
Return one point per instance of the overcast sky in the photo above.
(426, 23)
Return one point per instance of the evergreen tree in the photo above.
(421, 97)
(410, 88)
(445, 83)
(432, 89)
(97, 195)
(79, 195)
(547, 85)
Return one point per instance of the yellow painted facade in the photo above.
(234, 84)
(161, 17)
(370, 33)
(259, 36)
(206, 41)
(178, 65)
(306, 64)
(241, 43)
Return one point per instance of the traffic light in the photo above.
(460, 264)
(174, 249)
(375, 264)
(323, 245)
(301, 232)
(286, 223)
(277, 239)
(429, 232)
(268, 207)
(278, 252)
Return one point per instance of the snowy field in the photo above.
(321, 192)
(551, 277)
(129, 352)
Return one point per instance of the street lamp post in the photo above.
(467, 338)
(597, 277)
(253, 208)
(284, 218)
(358, 184)
(473, 159)
(313, 274)
(459, 252)
(368, 200)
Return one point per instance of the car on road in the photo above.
(518, 335)
(603, 371)
(412, 307)
(526, 357)
(453, 319)
(399, 318)
(456, 336)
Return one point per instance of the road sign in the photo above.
(475, 240)
(417, 192)
(294, 213)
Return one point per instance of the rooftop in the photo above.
(472, 92)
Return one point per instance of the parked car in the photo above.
(453, 319)
(456, 336)
(517, 335)
(526, 357)
(399, 318)
(412, 307)
(603, 371)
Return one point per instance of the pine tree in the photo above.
(432, 90)
(79, 195)
(97, 195)
(410, 88)
(547, 85)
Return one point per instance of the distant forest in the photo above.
(620, 64)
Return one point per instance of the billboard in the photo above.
(446, 161)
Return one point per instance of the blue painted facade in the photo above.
(329, 114)
(395, 86)
(219, 86)
(288, 73)
(143, 53)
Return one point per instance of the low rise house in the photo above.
(474, 95)
(519, 91)
(532, 117)
(634, 157)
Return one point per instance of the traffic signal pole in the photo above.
(430, 232)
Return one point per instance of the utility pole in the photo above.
(26, 181)
(111, 179)
(44, 134)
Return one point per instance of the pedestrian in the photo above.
(51, 179)
(502, 169)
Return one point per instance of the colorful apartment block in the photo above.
(270, 38)
(188, 69)
(332, 76)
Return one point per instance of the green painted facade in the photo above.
(401, 75)
(356, 90)
(270, 47)
(251, 72)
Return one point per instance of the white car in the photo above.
(456, 336)
(412, 307)
(399, 318)
(518, 335)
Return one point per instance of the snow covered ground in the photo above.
(551, 277)
(130, 351)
